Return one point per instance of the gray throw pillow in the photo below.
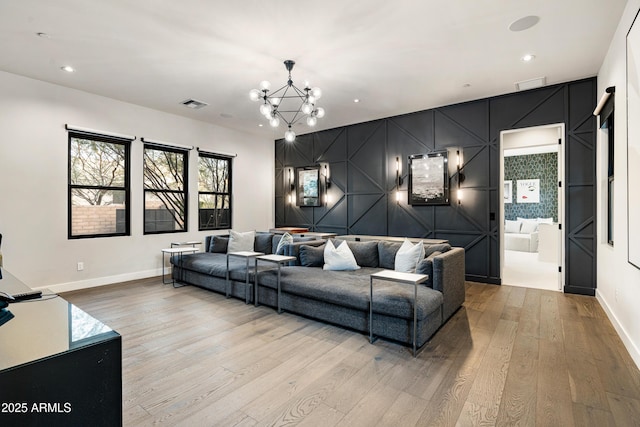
(387, 254)
(219, 244)
(366, 253)
(263, 243)
(311, 256)
(439, 247)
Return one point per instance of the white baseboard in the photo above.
(101, 281)
(628, 343)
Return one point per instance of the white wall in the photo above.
(33, 183)
(618, 281)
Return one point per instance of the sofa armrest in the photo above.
(293, 249)
(448, 278)
(533, 242)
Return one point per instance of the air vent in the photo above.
(531, 84)
(194, 104)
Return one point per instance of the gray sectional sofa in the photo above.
(339, 297)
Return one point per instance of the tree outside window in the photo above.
(214, 192)
(98, 186)
(165, 189)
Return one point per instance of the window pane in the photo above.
(215, 211)
(97, 212)
(163, 170)
(213, 175)
(97, 163)
(163, 211)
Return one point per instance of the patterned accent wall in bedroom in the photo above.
(535, 166)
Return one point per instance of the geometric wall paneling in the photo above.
(580, 152)
(470, 118)
(362, 197)
(367, 214)
(450, 133)
(475, 167)
(417, 126)
(366, 155)
(403, 220)
(511, 111)
(330, 146)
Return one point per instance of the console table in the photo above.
(247, 255)
(58, 365)
(280, 260)
(398, 277)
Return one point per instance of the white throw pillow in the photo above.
(529, 227)
(241, 241)
(284, 240)
(340, 258)
(408, 256)
(512, 226)
(545, 220)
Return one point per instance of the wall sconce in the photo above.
(460, 175)
(327, 182)
(292, 187)
(398, 178)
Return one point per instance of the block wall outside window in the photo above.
(99, 186)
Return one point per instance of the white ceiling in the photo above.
(396, 56)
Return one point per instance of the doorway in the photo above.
(532, 208)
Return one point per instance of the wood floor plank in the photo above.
(509, 356)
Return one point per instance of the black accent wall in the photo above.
(362, 166)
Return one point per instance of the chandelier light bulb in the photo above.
(265, 109)
(265, 85)
(311, 99)
(311, 121)
(307, 108)
(307, 85)
(254, 95)
(274, 122)
(320, 112)
(276, 101)
(289, 136)
(316, 92)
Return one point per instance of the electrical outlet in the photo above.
(80, 266)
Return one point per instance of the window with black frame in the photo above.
(165, 173)
(99, 185)
(214, 191)
(605, 110)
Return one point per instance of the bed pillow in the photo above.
(286, 239)
(408, 256)
(512, 226)
(545, 220)
(241, 241)
(340, 258)
(529, 227)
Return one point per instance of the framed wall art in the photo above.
(429, 179)
(308, 186)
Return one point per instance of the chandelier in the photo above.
(289, 103)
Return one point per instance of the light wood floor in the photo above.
(511, 356)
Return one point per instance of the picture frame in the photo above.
(308, 186)
(508, 191)
(429, 179)
(528, 191)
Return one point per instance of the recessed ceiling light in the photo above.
(356, 100)
(68, 69)
(524, 23)
(43, 35)
(528, 57)
(259, 125)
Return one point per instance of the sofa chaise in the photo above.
(339, 297)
